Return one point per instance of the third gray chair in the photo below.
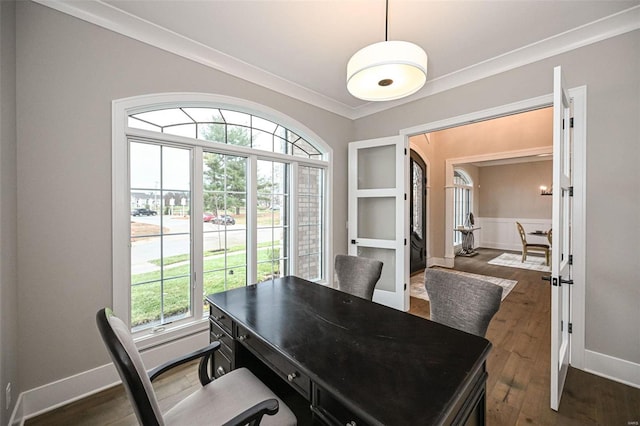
(357, 275)
(461, 302)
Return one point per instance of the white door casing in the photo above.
(378, 213)
(562, 238)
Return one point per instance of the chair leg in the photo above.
(546, 255)
(524, 255)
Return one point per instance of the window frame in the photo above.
(121, 136)
(467, 187)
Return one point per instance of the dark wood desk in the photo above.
(351, 359)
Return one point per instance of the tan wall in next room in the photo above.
(513, 190)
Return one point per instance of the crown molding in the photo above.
(111, 18)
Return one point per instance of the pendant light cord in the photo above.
(386, 22)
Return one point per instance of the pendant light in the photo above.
(387, 70)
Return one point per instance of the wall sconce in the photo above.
(544, 191)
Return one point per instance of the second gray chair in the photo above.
(461, 302)
(357, 275)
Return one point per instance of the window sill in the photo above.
(152, 340)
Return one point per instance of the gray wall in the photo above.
(68, 72)
(611, 71)
(8, 248)
(513, 190)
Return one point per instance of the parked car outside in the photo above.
(143, 212)
(208, 217)
(224, 219)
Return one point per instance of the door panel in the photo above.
(378, 213)
(561, 249)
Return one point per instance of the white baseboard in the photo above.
(445, 262)
(37, 401)
(17, 415)
(613, 368)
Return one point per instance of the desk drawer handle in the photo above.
(243, 337)
(292, 376)
(218, 336)
(221, 371)
(221, 317)
(351, 423)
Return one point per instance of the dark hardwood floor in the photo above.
(518, 366)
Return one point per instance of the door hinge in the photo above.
(570, 328)
(570, 123)
(571, 191)
(405, 286)
(405, 241)
(405, 151)
(570, 259)
(561, 325)
(405, 197)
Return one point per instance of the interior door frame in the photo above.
(579, 97)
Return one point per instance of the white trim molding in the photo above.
(116, 20)
(612, 368)
(50, 396)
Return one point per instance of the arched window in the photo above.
(462, 201)
(211, 193)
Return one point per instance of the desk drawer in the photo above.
(220, 318)
(221, 364)
(218, 334)
(276, 361)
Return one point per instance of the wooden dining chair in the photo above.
(530, 247)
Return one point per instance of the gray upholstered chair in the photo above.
(236, 398)
(357, 275)
(461, 302)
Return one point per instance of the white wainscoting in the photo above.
(501, 233)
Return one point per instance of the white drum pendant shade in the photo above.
(387, 70)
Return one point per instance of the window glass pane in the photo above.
(144, 165)
(417, 201)
(186, 130)
(262, 140)
(225, 234)
(204, 115)
(146, 305)
(272, 232)
(238, 135)
(164, 117)
(139, 124)
(176, 170)
(160, 234)
(213, 132)
(234, 117)
(262, 124)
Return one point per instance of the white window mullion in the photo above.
(293, 219)
(197, 239)
(252, 220)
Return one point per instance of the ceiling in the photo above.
(301, 47)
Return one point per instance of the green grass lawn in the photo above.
(146, 288)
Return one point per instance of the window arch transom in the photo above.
(226, 126)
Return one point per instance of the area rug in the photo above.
(418, 290)
(514, 260)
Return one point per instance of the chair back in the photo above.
(461, 302)
(124, 353)
(523, 235)
(357, 275)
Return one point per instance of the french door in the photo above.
(561, 278)
(378, 212)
